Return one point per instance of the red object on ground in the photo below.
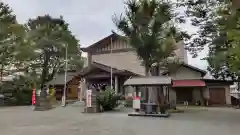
(188, 83)
(34, 97)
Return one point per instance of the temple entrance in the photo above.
(98, 83)
(98, 75)
(184, 94)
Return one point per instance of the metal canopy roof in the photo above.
(148, 81)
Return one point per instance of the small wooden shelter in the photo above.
(151, 81)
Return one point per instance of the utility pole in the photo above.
(111, 67)
(65, 77)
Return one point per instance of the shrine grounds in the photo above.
(71, 121)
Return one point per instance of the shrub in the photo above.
(24, 97)
(17, 92)
(108, 99)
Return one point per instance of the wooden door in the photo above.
(217, 96)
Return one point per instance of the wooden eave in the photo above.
(106, 68)
(203, 72)
(100, 43)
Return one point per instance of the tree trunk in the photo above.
(162, 97)
(45, 69)
(238, 89)
(1, 72)
(160, 93)
(147, 71)
(146, 89)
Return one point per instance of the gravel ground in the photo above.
(70, 121)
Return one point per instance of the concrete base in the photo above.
(149, 115)
(91, 110)
(43, 104)
(42, 108)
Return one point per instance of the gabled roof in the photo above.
(102, 42)
(203, 72)
(106, 68)
(59, 79)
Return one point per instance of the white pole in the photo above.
(111, 67)
(65, 77)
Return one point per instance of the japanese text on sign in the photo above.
(89, 98)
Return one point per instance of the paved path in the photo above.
(70, 121)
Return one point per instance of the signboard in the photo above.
(136, 104)
(89, 98)
(136, 101)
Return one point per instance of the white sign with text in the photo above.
(89, 98)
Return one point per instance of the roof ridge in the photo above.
(99, 42)
(191, 66)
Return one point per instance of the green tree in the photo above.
(150, 28)
(10, 34)
(47, 41)
(210, 17)
(218, 23)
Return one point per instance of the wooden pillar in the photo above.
(137, 91)
(89, 59)
(79, 91)
(82, 87)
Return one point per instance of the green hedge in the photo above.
(24, 97)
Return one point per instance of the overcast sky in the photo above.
(90, 20)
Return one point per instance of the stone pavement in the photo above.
(70, 121)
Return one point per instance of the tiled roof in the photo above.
(59, 79)
(101, 42)
(203, 72)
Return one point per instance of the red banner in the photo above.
(34, 97)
